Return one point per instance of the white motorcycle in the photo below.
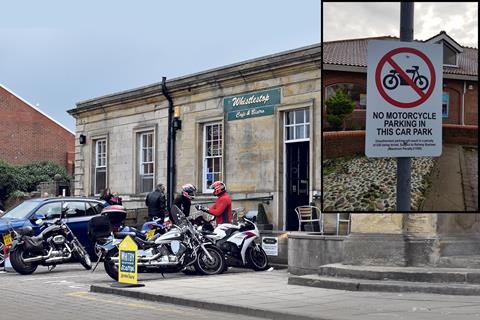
(237, 242)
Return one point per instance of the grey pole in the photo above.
(404, 164)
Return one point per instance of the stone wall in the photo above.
(308, 251)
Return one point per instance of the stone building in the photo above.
(345, 67)
(28, 135)
(254, 125)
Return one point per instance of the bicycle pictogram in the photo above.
(393, 79)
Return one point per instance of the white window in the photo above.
(212, 155)
(146, 160)
(100, 174)
(297, 125)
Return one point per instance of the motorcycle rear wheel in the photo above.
(19, 265)
(110, 267)
(206, 267)
(257, 258)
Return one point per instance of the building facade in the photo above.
(28, 135)
(345, 68)
(254, 125)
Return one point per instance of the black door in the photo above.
(297, 155)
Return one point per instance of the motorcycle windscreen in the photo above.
(178, 216)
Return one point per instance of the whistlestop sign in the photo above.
(404, 99)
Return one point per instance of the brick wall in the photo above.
(457, 134)
(27, 135)
(453, 87)
(342, 143)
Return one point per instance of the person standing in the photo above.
(157, 203)
(222, 209)
(184, 200)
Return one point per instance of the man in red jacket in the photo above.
(222, 208)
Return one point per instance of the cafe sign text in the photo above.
(253, 104)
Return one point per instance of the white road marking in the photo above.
(48, 278)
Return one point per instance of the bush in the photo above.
(34, 173)
(339, 107)
(26, 178)
(8, 179)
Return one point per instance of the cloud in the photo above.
(349, 20)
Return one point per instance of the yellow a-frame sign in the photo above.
(127, 263)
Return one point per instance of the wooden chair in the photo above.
(305, 214)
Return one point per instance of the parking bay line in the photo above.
(49, 278)
(83, 295)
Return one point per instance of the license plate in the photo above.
(150, 234)
(7, 239)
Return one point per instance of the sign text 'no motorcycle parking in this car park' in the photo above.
(404, 99)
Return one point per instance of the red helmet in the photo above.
(188, 190)
(218, 188)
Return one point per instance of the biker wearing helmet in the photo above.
(222, 208)
(184, 201)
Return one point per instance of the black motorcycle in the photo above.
(56, 244)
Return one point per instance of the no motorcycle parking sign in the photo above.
(404, 99)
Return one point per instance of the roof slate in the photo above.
(353, 52)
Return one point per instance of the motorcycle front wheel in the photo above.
(16, 259)
(205, 266)
(82, 256)
(257, 258)
(109, 264)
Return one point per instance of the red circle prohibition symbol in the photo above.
(423, 95)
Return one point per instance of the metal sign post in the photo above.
(403, 118)
(404, 165)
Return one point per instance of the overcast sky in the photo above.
(347, 20)
(56, 53)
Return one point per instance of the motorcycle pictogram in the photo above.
(393, 79)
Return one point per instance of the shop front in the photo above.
(254, 125)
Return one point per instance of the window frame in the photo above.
(306, 125)
(205, 158)
(96, 166)
(448, 104)
(139, 159)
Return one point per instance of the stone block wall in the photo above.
(308, 251)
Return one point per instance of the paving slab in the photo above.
(279, 300)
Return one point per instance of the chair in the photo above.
(305, 214)
(343, 220)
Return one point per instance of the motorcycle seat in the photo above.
(25, 231)
(123, 234)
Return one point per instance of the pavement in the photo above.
(454, 181)
(268, 295)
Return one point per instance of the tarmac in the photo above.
(267, 294)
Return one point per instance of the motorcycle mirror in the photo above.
(40, 216)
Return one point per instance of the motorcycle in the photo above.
(100, 228)
(56, 244)
(182, 246)
(237, 242)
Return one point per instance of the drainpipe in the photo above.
(170, 147)
(463, 102)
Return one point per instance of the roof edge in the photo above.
(36, 109)
(267, 61)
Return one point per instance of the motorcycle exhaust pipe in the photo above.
(38, 258)
(157, 263)
(141, 259)
(59, 258)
